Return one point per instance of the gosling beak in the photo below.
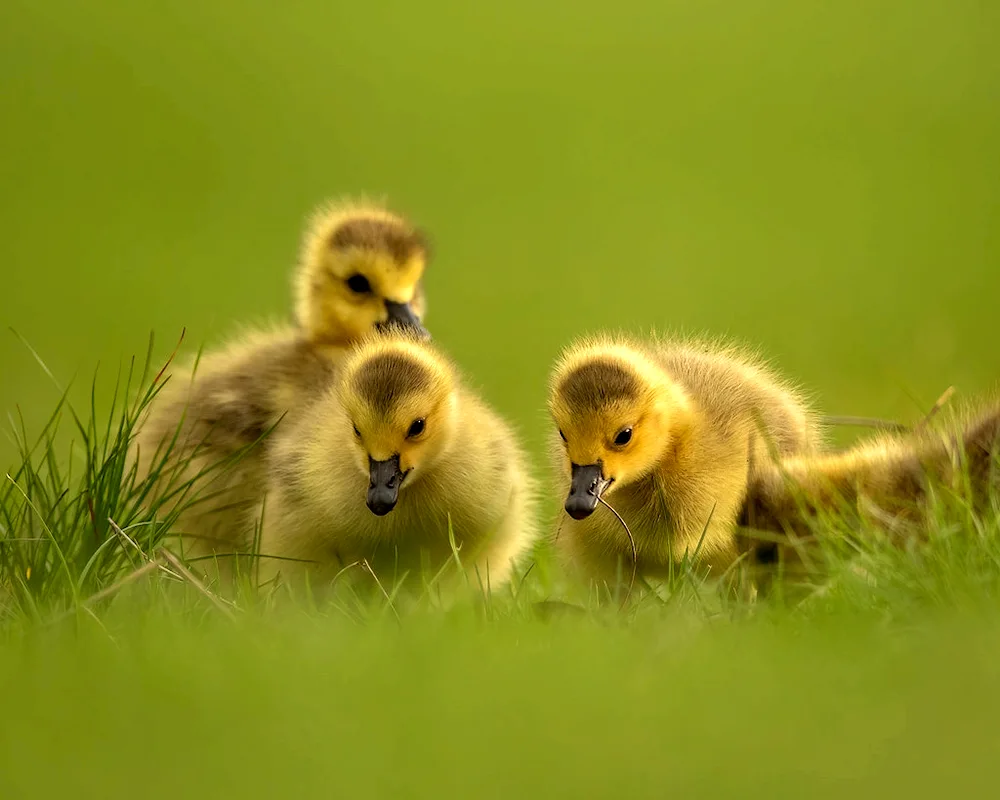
(402, 315)
(587, 485)
(383, 487)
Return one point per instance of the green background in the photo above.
(820, 179)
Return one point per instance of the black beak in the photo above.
(402, 315)
(587, 484)
(383, 486)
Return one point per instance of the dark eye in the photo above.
(563, 435)
(357, 432)
(359, 284)
(416, 429)
(624, 437)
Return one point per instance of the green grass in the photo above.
(818, 179)
(309, 707)
(876, 671)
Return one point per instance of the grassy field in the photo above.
(308, 708)
(822, 180)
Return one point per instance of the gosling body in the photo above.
(882, 481)
(361, 269)
(204, 432)
(388, 462)
(669, 433)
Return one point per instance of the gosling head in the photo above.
(360, 269)
(616, 412)
(400, 400)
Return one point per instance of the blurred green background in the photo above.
(818, 178)
(822, 179)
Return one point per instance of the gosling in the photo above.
(882, 481)
(386, 464)
(669, 432)
(361, 269)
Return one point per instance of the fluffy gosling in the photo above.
(361, 269)
(670, 432)
(884, 479)
(379, 467)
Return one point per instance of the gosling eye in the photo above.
(563, 436)
(416, 428)
(359, 284)
(357, 432)
(623, 437)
